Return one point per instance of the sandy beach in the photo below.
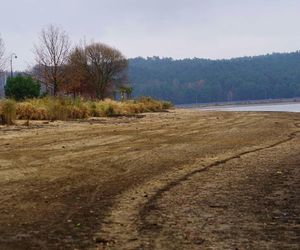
(182, 179)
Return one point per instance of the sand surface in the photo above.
(178, 180)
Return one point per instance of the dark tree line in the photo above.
(201, 80)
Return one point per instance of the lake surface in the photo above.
(282, 107)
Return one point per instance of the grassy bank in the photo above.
(67, 108)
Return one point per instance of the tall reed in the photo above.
(50, 108)
(7, 112)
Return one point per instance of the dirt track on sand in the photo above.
(177, 180)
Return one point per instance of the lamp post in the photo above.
(13, 55)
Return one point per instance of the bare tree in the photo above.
(106, 67)
(99, 69)
(77, 78)
(51, 54)
(2, 51)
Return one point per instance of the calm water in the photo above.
(287, 107)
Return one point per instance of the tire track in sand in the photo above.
(124, 227)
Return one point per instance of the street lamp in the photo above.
(13, 55)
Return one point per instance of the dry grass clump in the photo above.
(52, 109)
(154, 105)
(133, 107)
(66, 108)
(29, 111)
(167, 105)
(108, 108)
(7, 112)
(145, 104)
(150, 104)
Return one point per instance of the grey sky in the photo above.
(175, 28)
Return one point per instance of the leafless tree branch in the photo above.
(99, 68)
(51, 55)
(2, 53)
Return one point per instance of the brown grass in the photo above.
(66, 108)
(7, 112)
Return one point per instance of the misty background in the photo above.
(168, 28)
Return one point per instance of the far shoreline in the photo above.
(239, 103)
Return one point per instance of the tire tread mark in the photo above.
(150, 203)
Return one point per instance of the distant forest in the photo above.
(201, 80)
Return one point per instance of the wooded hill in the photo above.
(201, 80)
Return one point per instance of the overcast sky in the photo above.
(166, 28)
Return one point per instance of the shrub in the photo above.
(109, 111)
(78, 112)
(7, 112)
(93, 109)
(57, 109)
(150, 104)
(167, 105)
(133, 107)
(66, 108)
(21, 87)
(106, 108)
(29, 111)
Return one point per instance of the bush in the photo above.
(66, 108)
(29, 111)
(22, 87)
(57, 109)
(7, 112)
(167, 105)
(106, 108)
(150, 104)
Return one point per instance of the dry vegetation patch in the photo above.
(66, 108)
(7, 112)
